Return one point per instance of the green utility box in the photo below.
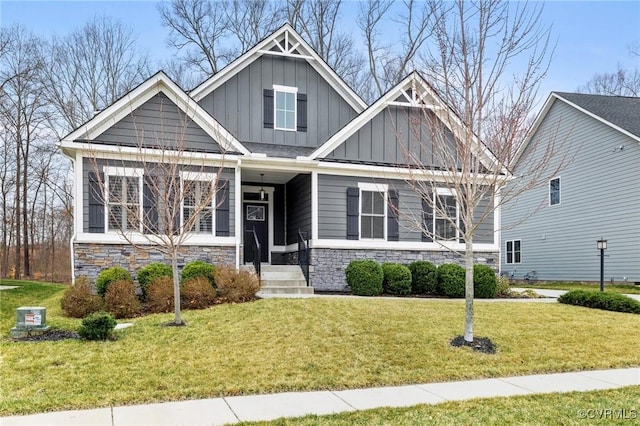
(30, 320)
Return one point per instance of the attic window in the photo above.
(285, 107)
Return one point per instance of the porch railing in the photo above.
(303, 254)
(254, 247)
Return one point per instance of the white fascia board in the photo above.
(261, 48)
(117, 238)
(400, 245)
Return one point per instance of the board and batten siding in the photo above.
(238, 103)
(298, 200)
(599, 198)
(159, 123)
(96, 165)
(332, 209)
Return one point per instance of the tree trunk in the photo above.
(17, 259)
(468, 289)
(176, 287)
(25, 216)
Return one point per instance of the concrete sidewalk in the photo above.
(220, 411)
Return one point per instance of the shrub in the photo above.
(197, 293)
(236, 286)
(485, 285)
(198, 268)
(79, 301)
(111, 275)
(149, 273)
(503, 287)
(424, 278)
(451, 280)
(121, 299)
(365, 277)
(97, 326)
(160, 295)
(396, 279)
(598, 300)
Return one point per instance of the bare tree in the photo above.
(252, 20)
(622, 82)
(170, 194)
(477, 99)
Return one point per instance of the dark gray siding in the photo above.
(332, 209)
(298, 206)
(159, 123)
(397, 135)
(91, 165)
(238, 103)
(600, 197)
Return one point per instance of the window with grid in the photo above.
(285, 108)
(123, 203)
(372, 214)
(512, 252)
(197, 210)
(554, 191)
(445, 218)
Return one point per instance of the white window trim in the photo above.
(198, 177)
(373, 187)
(559, 191)
(285, 89)
(123, 172)
(446, 192)
(513, 252)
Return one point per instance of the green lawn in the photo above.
(613, 288)
(576, 408)
(297, 344)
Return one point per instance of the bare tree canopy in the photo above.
(622, 82)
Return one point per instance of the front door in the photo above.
(256, 217)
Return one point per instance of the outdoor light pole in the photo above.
(602, 246)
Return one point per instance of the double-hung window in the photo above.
(198, 197)
(445, 216)
(285, 107)
(554, 191)
(512, 252)
(124, 198)
(373, 202)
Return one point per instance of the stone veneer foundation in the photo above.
(90, 259)
(327, 272)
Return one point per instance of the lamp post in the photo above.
(602, 246)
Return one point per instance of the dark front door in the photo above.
(256, 216)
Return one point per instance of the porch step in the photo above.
(282, 281)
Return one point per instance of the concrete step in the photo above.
(286, 275)
(284, 283)
(285, 290)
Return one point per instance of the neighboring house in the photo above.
(595, 195)
(276, 119)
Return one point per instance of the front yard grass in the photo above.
(560, 285)
(617, 406)
(278, 345)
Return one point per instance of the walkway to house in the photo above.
(220, 411)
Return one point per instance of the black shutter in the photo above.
(222, 208)
(393, 227)
(149, 205)
(96, 203)
(427, 218)
(268, 108)
(353, 213)
(301, 112)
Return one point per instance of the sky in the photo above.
(592, 36)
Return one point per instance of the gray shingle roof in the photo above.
(281, 151)
(621, 111)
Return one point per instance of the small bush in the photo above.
(160, 296)
(364, 277)
(198, 268)
(111, 275)
(97, 326)
(485, 285)
(79, 301)
(424, 277)
(598, 300)
(197, 293)
(396, 279)
(451, 280)
(149, 273)
(121, 299)
(503, 287)
(235, 286)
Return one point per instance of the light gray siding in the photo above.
(298, 206)
(238, 103)
(96, 165)
(600, 197)
(159, 123)
(397, 135)
(332, 209)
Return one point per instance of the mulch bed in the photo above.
(480, 344)
(49, 336)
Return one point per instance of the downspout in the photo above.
(238, 210)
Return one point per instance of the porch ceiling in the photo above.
(270, 176)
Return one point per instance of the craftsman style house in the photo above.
(300, 161)
(595, 195)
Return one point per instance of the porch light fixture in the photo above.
(262, 187)
(602, 246)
